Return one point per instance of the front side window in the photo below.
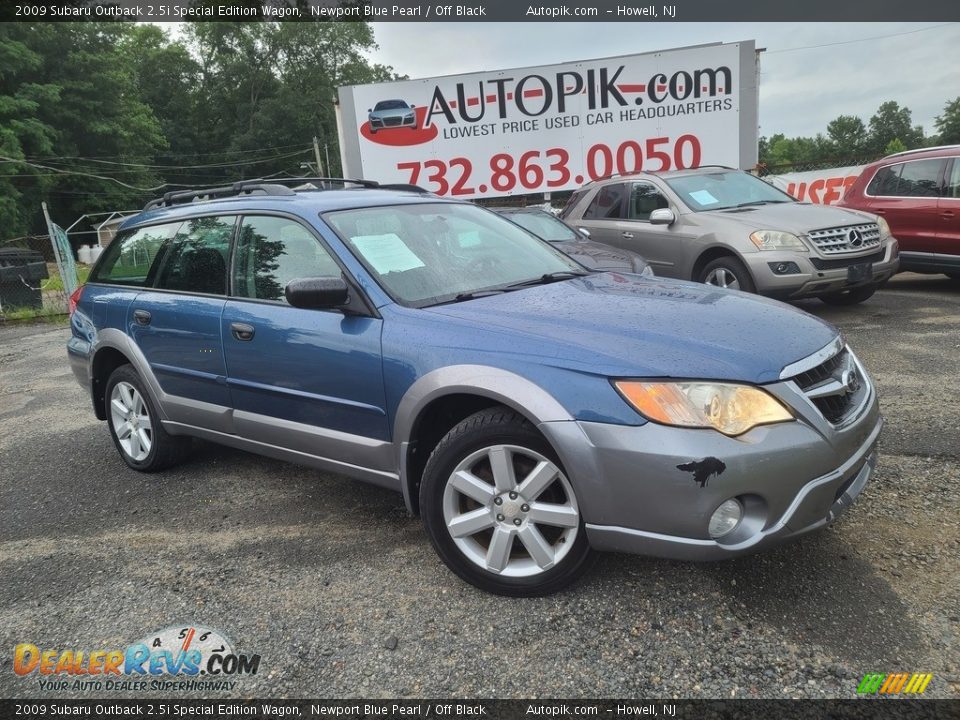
(272, 251)
(644, 199)
(197, 261)
(607, 204)
(134, 256)
(724, 189)
(429, 253)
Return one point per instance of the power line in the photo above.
(256, 161)
(859, 40)
(191, 154)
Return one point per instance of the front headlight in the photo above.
(777, 240)
(731, 409)
(884, 228)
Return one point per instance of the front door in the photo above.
(948, 236)
(306, 380)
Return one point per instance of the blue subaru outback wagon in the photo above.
(530, 410)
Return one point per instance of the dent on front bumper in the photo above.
(639, 491)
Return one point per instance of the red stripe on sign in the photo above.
(491, 98)
(453, 104)
(509, 96)
(473, 101)
(661, 88)
(533, 93)
(632, 88)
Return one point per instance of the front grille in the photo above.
(392, 121)
(831, 264)
(847, 239)
(836, 387)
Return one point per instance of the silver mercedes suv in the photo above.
(725, 227)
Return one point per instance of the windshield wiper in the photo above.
(759, 202)
(547, 278)
(469, 296)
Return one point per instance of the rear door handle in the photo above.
(947, 214)
(142, 317)
(242, 331)
(626, 235)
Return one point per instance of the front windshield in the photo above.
(391, 105)
(543, 225)
(723, 190)
(430, 253)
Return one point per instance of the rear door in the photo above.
(907, 195)
(308, 380)
(176, 324)
(948, 236)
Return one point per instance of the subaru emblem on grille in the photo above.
(855, 238)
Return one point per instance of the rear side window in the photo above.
(198, 259)
(134, 256)
(644, 199)
(572, 202)
(607, 204)
(919, 178)
(953, 181)
(272, 251)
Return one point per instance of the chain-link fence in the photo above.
(763, 170)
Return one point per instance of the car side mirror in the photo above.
(369, 109)
(412, 107)
(584, 232)
(317, 293)
(662, 216)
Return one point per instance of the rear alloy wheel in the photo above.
(850, 297)
(500, 510)
(135, 426)
(727, 272)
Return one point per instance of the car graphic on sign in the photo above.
(389, 114)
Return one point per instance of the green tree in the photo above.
(848, 136)
(894, 146)
(948, 124)
(892, 122)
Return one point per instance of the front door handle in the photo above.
(242, 331)
(947, 214)
(142, 317)
(627, 235)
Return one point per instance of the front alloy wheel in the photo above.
(499, 508)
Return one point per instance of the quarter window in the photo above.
(607, 204)
(272, 251)
(644, 199)
(133, 257)
(197, 261)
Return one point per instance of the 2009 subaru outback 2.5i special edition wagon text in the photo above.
(530, 410)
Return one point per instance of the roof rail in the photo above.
(272, 186)
(921, 150)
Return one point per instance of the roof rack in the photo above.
(922, 150)
(272, 186)
(648, 172)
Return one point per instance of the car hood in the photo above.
(622, 325)
(798, 218)
(596, 256)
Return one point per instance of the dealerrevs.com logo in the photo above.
(177, 658)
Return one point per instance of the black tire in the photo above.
(486, 429)
(165, 450)
(731, 265)
(849, 297)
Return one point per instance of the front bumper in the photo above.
(790, 478)
(830, 277)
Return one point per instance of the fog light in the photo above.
(784, 268)
(725, 518)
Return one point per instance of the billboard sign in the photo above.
(555, 127)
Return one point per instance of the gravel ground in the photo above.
(339, 591)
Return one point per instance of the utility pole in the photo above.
(316, 154)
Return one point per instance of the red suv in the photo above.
(918, 193)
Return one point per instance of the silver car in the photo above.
(726, 227)
(388, 114)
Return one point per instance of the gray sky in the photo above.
(800, 90)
